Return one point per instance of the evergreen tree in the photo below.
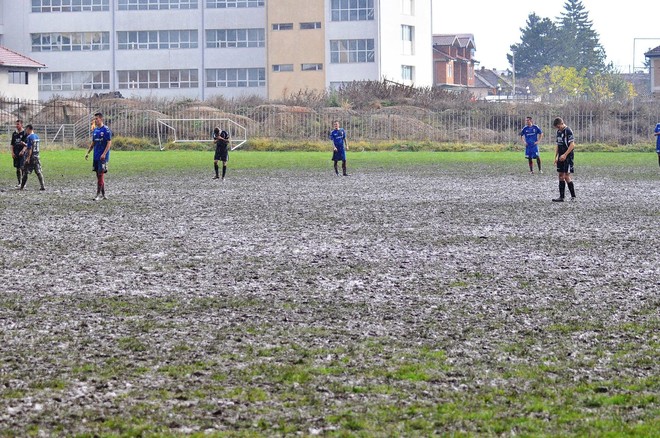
(579, 42)
(538, 46)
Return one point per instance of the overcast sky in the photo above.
(496, 25)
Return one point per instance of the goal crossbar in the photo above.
(199, 131)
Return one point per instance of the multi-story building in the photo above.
(203, 48)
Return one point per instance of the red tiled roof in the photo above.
(10, 58)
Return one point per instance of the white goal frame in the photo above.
(236, 140)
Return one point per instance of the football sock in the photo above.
(531, 166)
(562, 189)
(41, 179)
(571, 188)
(25, 176)
(224, 170)
(336, 168)
(658, 159)
(217, 169)
(343, 167)
(18, 175)
(538, 162)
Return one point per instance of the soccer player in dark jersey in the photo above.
(31, 156)
(101, 144)
(531, 135)
(221, 139)
(564, 158)
(18, 142)
(657, 141)
(338, 137)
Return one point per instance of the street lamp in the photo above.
(499, 91)
(550, 94)
(527, 92)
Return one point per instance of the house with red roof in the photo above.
(654, 57)
(19, 77)
(453, 63)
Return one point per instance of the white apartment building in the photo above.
(198, 49)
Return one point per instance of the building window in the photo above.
(311, 67)
(408, 38)
(157, 39)
(187, 78)
(235, 77)
(18, 77)
(70, 5)
(282, 26)
(282, 67)
(70, 42)
(222, 4)
(408, 7)
(352, 10)
(223, 38)
(74, 81)
(407, 73)
(310, 25)
(154, 5)
(351, 51)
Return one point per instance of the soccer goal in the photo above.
(199, 131)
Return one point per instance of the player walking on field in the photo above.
(657, 141)
(564, 158)
(18, 142)
(221, 139)
(30, 154)
(101, 143)
(338, 137)
(531, 135)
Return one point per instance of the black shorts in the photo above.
(221, 154)
(19, 161)
(565, 166)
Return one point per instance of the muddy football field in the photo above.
(401, 300)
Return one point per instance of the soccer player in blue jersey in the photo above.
(531, 135)
(338, 137)
(101, 144)
(657, 140)
(564, 158)
(31, 159)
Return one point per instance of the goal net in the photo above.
(199, 131)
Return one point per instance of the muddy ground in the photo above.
(285, 302)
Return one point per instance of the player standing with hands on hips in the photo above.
(657, 140)
(531, 136)
(101, 143)
(338, 137)
(564, 158)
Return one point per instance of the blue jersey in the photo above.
(33, 143)
(338, 136)
(657, 138)
(531, 134)
(101, 137)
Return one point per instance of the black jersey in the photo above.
(17, 140)
(564, 139)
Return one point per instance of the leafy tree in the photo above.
(565, 82)
(579, 41)
(538, 46)
(568, 42)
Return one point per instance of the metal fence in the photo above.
(68, 122)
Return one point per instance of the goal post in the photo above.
(199, 131)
